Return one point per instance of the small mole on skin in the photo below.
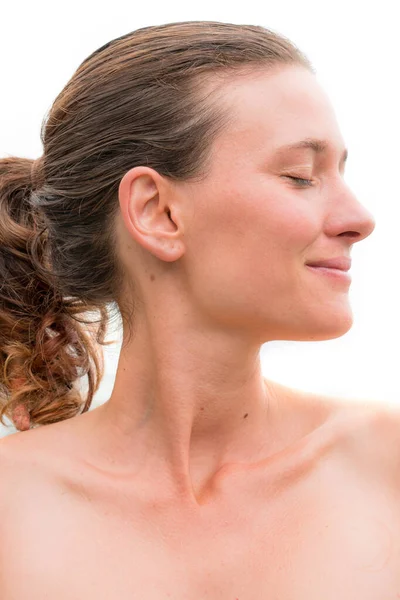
(246, 415)
(201, 407)
(152, 277)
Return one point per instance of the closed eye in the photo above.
(300, 181)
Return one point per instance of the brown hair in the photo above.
(138, 100)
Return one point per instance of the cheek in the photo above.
(247, 242)
(265, 223)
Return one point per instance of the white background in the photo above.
(355, 49)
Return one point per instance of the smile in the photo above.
(334, 274)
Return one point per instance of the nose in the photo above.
(348, 217)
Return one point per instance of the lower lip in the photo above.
(336, 274)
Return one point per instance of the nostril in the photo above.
(351, 234)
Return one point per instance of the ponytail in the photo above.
(43, 349)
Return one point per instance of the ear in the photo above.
(150, 214)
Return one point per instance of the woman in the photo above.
(192, 177)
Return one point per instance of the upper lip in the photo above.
(341, 262)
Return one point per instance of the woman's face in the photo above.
(251, 229)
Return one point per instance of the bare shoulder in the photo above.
(11, 452)
(365, 433)
(375, 439)
(10, 468)
(369, 430)
(31, 458)
(38, 446)
(17, 453)
(368, 437)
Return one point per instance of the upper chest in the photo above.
(326, 533)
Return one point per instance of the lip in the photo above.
(340, 263)
(337, 275)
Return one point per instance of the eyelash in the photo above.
(301, 181)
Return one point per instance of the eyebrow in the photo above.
(318, 146)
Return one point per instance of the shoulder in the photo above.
(369, 430)
(32, 457)
(48, 458)
(17, 454)
(10, 454)
(10, 470)
(364, 421)
(366, 436)
(373, 436)
(34, 470)
(363, 433)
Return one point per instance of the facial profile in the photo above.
(192, 178)
(274, 201)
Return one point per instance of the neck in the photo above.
(186, 403)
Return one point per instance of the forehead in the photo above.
(279, 108)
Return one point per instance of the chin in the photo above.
(324, 328)
(331, 330)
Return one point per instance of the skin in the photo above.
(199, 478)
(219, 267)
